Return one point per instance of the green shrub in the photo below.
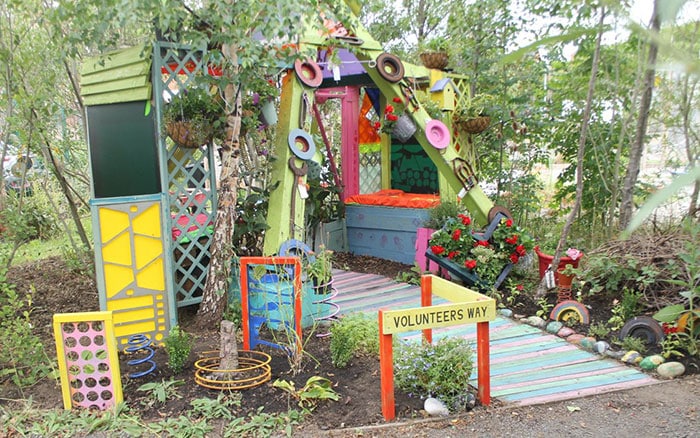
(440, 370)
(22, 355)
(352, 336)
(178, 345)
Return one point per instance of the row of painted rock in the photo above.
(650, 363)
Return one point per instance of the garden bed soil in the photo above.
(59, 290)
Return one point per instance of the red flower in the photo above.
(377, 125)
(392, 117)
(389, 109)
(512, 239)
(520, 287)
(470, 264)
(520, 249)
(466, 220)
(514, 258)
(456, 234)
(483, 243)
(509, 223)
(452, 254)
(397, 100)
(437, 249)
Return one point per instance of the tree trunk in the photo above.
(637, 148)
(229, 347)
(214, 296)
(542, 289)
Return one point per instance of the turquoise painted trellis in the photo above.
(187, 175)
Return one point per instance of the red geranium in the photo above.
(466, 220)
(514, 258)
(437, 249)
(397, 100)
(509, 223)
(392, 117)
(456, 234)
(481, 243)
(520, 250)
(389, 109)
(452, 254)
(513, 240)
(470, 264)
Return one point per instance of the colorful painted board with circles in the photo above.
(87, 360)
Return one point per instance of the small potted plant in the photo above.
(194, 117)
(434, 53)
(474, 116)
(319, 270)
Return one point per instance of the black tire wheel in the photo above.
(645, 328)
(390, 67)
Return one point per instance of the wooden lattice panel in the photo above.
(87, 360)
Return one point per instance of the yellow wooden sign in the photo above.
(443, 315)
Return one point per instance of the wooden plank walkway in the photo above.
(528, 365)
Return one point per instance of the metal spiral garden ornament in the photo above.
(140, 344)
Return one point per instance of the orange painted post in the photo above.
(426, 300)
(245, 313)
(386, 367)
(483, 362)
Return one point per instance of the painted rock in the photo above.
(650, 363)
(536, 321)
(554, 327)
(631, 357)
(601, 347)
(505, 312)
(575, 338)
(587, 343)
(671, 369)
(565, 332)
(614, 354)
(435, 407)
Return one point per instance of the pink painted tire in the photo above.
(568, 309)
(438, 134)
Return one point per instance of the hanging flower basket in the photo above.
(189, 135)
(436, 60)
(475, 125)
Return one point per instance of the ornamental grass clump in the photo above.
(439, 370)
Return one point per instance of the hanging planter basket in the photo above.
(190, 135)
(475, 125)
(404, 128)
(436, 60)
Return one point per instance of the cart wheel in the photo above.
(645, 328)
(570, 311)
(390, 67)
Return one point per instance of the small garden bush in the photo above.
(439, 370)
(354, 335)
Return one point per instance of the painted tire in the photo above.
(645, 328)
(438, 134)
(352, 40)
(498, 209)
(308, 72)
(297, 137)
(568, 309)
(296, 248)
(390, 67)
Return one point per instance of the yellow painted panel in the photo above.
(146, 250)
(152, 276)
(123, 331)
(130, 303)
(118, 250)
(134, 316)
(112, 222)
(445, 315)
(453, 292)
(116, 279)
(148, 222)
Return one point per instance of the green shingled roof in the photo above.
(120, 76)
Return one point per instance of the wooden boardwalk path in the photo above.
(528, 365)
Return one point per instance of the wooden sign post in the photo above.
(466, 306)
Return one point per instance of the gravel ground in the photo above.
(668, 409)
